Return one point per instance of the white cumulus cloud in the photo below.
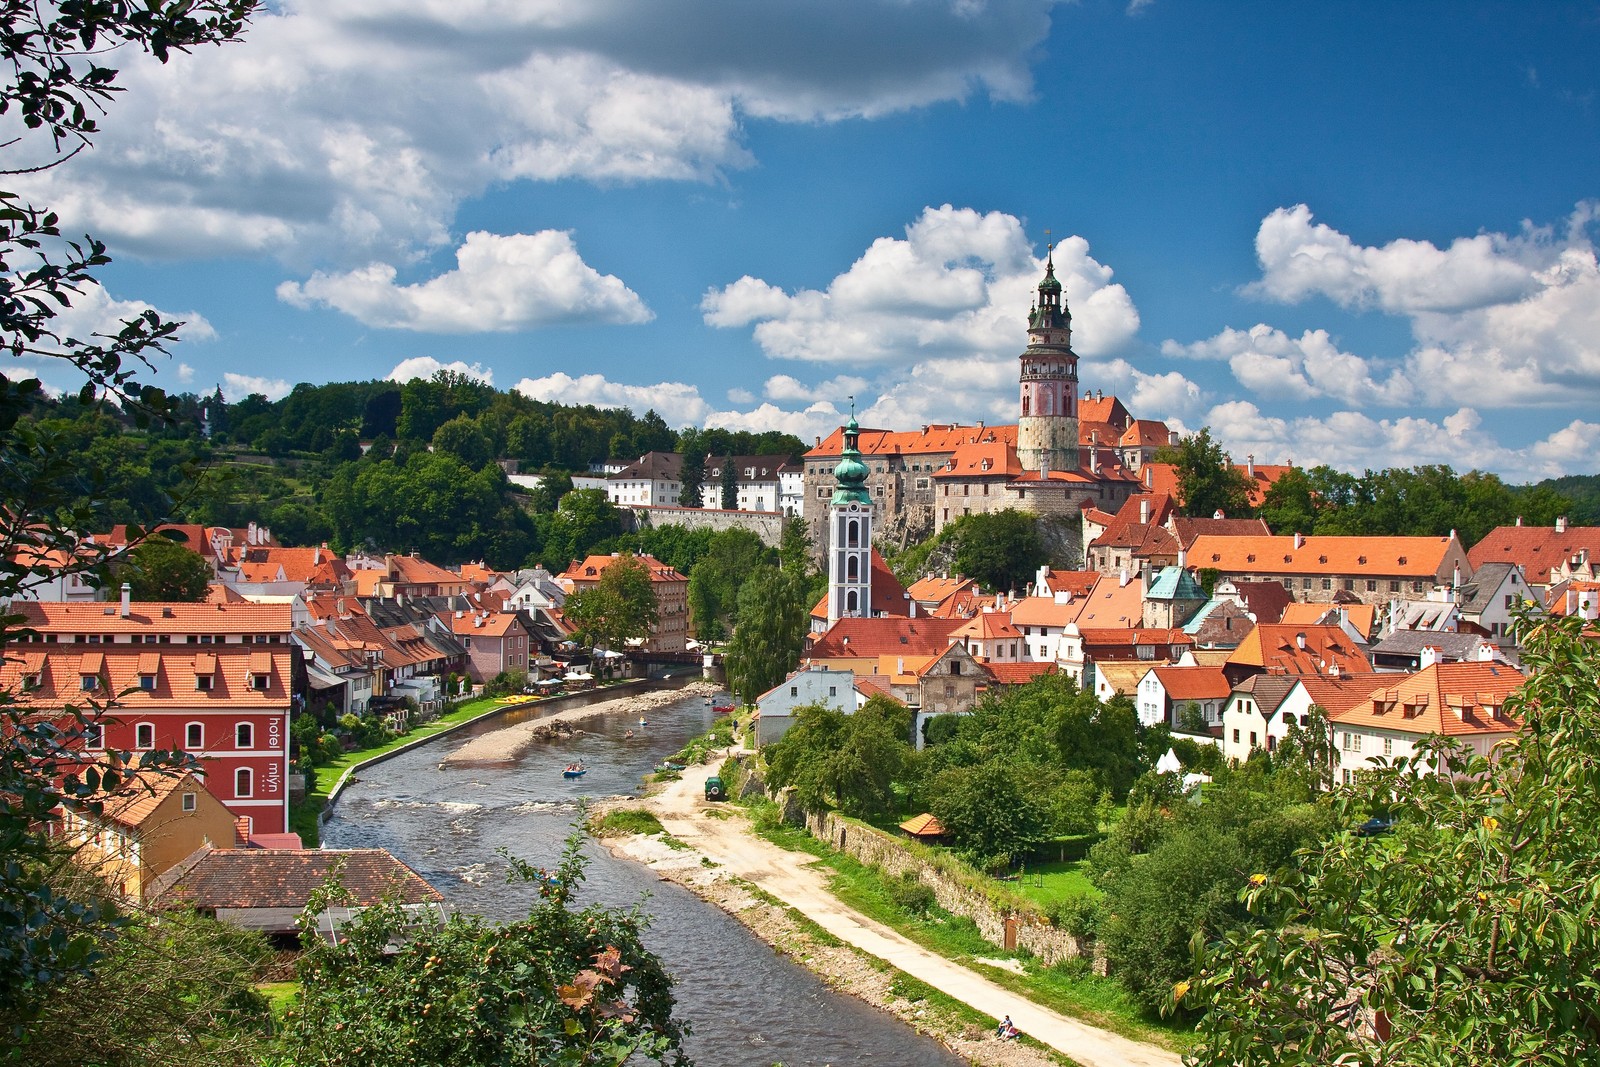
(427, 367)
(500, 283)
(236, 387)
(1269, 362)
(679, 403)
(387, 114)
(958, 285)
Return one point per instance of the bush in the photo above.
(910, 895)
(1076, 915)
(626, 821)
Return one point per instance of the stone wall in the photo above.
(767, 525)
(892, 855)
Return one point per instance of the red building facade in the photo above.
(214, 681)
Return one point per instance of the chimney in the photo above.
(1123, 581)
(1333, 670)
(1094, 461)
(1250, 466)
(1183, 558)
(1218, 514)
(1144, 510)
(241, 832)
(316, 557)
(1519, 520)
(1300, 641)
(127, 599)
(1561, 524)
(900, 665)
(1148, 478)
(1431, 654)
(250, 534)
(1299, 539)
(1488, 653)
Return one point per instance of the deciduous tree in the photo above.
(1469, 935)
(769, 631)
(620, 607)
(159, 569)
(1207, 483)
(1001, 551)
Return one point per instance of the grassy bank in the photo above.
(304, 818)
(1069, 987)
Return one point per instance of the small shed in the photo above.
(924, 827)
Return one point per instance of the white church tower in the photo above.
(850, 535)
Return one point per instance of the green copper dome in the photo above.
(851, 473)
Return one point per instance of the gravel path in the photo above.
(724, 839)
(508, 743)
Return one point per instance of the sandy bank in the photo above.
(508, 743)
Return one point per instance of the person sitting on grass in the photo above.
(1007, 1029)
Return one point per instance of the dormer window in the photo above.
(202, 683)
(147, 683)
(88, 682)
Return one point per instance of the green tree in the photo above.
(769, 632)
(57, 86)
(561, 987)
(1001, 550)
(463, 438)
(987, 814)
(620, 607)
(847, 761)
(1472, 930)
(730, 484)
(732, 556)
(163, 570)
(1206, 481)
(1290, 504)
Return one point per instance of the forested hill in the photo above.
(427, 482)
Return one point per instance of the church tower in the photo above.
(1047, 431)
(850, 535)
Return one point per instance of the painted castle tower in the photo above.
(1047, 431)
(850, 534)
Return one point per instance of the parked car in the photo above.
(1378, 824)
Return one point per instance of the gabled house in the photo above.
(671, 630)
(496, 642)
(145, 829)
(1408, 651)
(1264, 707)
(1546, 554)
(1371, 569)
(1489, 602)
(991, 637)
(1165, 692)
(1296, 650)
(807, 686)
(1464, 702)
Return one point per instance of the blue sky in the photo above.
(1360, 234)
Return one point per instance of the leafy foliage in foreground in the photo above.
(565, 986)
(1470, 935)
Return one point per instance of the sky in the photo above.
(1358, 234)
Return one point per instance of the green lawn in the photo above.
(1044, 883)
(303, 817)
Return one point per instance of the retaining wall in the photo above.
(894, 857)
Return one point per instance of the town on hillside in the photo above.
(1227, 643)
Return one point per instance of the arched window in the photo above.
(853, 534)
(1025, 400)
(851, 604)
(241, 782)
(852, 570)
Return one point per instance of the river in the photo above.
(746, 1006)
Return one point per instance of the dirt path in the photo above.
(791, 878)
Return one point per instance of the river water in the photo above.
(746, 1006)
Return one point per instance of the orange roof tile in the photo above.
(1307, 650)
(982, 459)
(123, 666)
(1453, 699)
(933, 438)
(1536, 548)
(1412, 557)
(157, 618)
(1194, 683)
(887, 636)
(1042, 611)
(924, 825)
(1018, 673)
(989, 626)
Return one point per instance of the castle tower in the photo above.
(850, 534)
(1047, 430)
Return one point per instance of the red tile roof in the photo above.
(888, 636)
(1415, 557)
(1277, 649)
(1194, 683)
(121, 667)
(888, 595)
(1446, 698)
(933, 438)
(271, 878)
(1018, 673)
(983, 459)
(155, 618)
(1536, 548)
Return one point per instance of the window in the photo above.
(1372, 585)
(89, 682)
(144, 735)
(833, 690)
(1347, 776)
(244, 735)
(1305, 583)
(202, 682)
(241, 782)
(1416, 587)
(188, 802)
(794, 690)
(1388, 746)
(94, 735)
(194, 736)
(1511, 600)
(1327, 583)
(1394, 587)
(955, 666)
(1350, 584)
(1252, 739)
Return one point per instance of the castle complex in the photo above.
(1064, 454)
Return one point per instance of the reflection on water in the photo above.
(746, 1006)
